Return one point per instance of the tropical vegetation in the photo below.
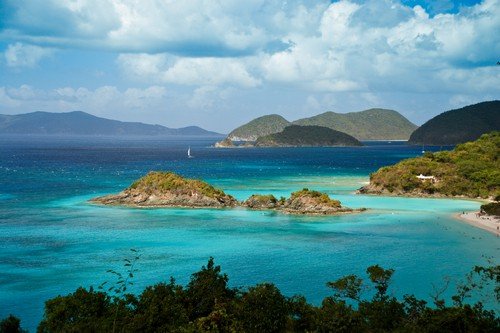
(460, 125)
(472, 170)
(372, 124)
(261, 126)
(298, 136)
(208, 304)
(169, 181)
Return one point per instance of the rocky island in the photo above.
(307, 136)
(167, 189)
(305, 202)
(471, 170)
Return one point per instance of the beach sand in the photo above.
(486, 222)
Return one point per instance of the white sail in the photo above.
(189, 153)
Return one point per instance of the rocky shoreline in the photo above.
(380, 190)
(167, 189)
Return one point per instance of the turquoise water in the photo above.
(52, 240)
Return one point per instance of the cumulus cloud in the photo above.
(346, 45)
(347, 52)
(104, 100)
(383, 45)
(191, 27)
(22, 55)
(188, 71)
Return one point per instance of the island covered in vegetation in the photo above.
(460, 125)
(258, 127)
(167, 189)
(307, 136)
(208, 304)
(304, 201)
(470, 170)
(372, 124)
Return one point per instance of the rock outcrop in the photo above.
(226, 143)
(303, 202)
(167, 189)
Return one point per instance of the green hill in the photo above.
(307, 136)
(372, 124)
(472, 169)
(460, 125)
(261, 126)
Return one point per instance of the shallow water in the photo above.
(52, 240)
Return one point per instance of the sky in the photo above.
(220, 63)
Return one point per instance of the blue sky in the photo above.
(218, 64)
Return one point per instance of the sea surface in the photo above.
(53, 241)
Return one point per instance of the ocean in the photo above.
(53, 241)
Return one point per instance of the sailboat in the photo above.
(189, 153)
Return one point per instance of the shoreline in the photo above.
(489, 223)
(420, 196)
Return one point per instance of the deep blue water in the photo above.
(52, 240)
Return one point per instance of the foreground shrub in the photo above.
(207, 304)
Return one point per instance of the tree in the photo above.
(11, 324)
(206, 288)
(82, 311)
(160, 308)
(263, 309)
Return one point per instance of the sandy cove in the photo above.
(487, 222)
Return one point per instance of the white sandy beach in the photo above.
(486, 222)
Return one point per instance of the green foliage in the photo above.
(206, 304)
(295, 135)
(262, 201)
(347, 287)
(263, 309)
(160, 308)
(206, 288)
(471, 169)
(81, 311)
(123, 280)
(258, 127)
(458, 126)
(492, 208)
(372, 124)
(337, 316)
(319, 197)
(11, 324)
(381, 278)
(169, 181)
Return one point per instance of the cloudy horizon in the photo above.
(219, 64)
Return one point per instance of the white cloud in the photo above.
(383, 45)
(22, 55)
(5, 100)
(105, 100)
(187, 71)
(343, 54)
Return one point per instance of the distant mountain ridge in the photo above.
(372, 124)
(459, 125)
(81, 123)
